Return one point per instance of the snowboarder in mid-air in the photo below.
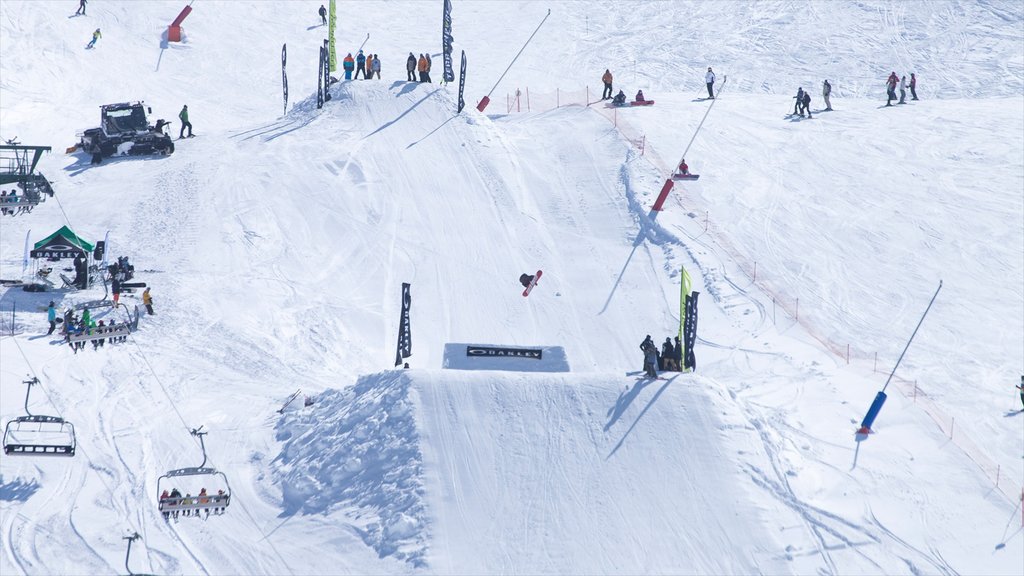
(529, 281)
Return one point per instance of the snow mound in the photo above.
(357, 452)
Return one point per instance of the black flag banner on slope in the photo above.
(320, 80)
(327, 71)
(446, 41)
(462, 83)
(690, 331)
(404, 330)
(284, 76)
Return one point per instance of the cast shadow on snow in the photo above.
(83, 161)
(651, 216)
(402, 115)
(441, 125)
(17, 491)
(406, 87)
(639, 416)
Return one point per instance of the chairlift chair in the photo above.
(37, 435)
(194, 502)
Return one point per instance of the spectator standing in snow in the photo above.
(360, 65)
(183, 116)
(648, 348)
(115, 288)
(903, 90)
(147, 301)
(349, 65)
(891, 87)
(807, 103)
(430, 64)
(323, 15)
(826, 91)
(95, 36)
(677, 357)
(1021, 388)
(913, 86)
(709, 78)
(81, 7)
(369, 68)
(421, 67)
(607, 79)
(410, 68)
(51, 315)
(375, 69)
(668, 355)
(798, 108)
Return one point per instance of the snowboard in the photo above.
(644, 103)
(678, 176)
(532, 283)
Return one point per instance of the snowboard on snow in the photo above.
(533, 283)
(678, 176)
(644, 103)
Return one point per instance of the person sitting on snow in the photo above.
(683, 168)
(620, 98)
(525, 280)
(640, 96)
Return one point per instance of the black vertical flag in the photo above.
(320, 80)
(690, 331)
(284, 76)
(462, 82)
(446, 41)
(327, 71)
(404, 330)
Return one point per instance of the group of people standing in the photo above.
(893, 81)
(421, 66)
(361, 64)
(670, 358)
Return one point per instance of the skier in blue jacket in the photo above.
(360, 65)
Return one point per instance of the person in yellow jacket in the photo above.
(607, 79)
(147, 301)
(95, 36)
(422, 67)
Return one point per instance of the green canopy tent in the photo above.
(62, 244)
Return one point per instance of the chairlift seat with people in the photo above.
(38, 435)
(100, 333)
(194, 501)
(171, 502)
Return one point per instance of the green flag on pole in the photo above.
(330, 37)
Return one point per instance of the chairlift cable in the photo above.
(239, 502)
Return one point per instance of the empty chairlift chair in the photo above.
(195, 490)
(35, 435)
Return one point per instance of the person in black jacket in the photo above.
(649, 349)
(410, 68)
(798, 108)
(807, 103)
(323, 14)
(668, 354)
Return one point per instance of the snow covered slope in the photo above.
(277, 245)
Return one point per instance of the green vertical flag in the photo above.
(684, 290)
(330, 37)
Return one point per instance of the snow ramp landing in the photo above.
(527, 473)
